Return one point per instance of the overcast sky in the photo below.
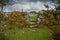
(29, 5)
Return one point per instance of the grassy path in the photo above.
(30, 34)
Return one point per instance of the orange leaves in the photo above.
(16, 19)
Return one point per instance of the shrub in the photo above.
(15, 19)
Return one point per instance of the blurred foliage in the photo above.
(52, 19)
(15, 19)
(11, 21)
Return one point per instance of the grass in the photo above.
(30, 34)
(33, 17)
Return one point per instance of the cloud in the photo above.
(31, 0)
(20, 6)
(28, 5)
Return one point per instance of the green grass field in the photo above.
(30, 34)
(33, 17)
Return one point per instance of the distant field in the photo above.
(33, 17)
(30, 34)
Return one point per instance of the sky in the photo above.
(28, 5)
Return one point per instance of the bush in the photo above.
(15, 19)
(3, 36)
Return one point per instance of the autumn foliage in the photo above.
(15, 20)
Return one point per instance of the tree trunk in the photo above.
(2, 11)
(1, 8)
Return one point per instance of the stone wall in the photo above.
(34, 22)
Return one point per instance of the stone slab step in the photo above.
(33, 26)
(35, 22)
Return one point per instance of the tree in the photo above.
(55, 12)
(3, 3)
(57, 4)
(46, 6)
